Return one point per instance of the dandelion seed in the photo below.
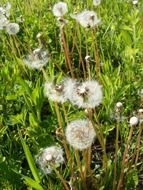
(38, 59)
(133, 121)
(135, 2)
(12, 28)
(5, 10)
(55, 92)
(3, 22)
(87, 19)
(69, 87)
(96, 2)
(60, 9)
(50, 157)
(80, 134)
(87, 95)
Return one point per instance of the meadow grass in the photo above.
(30, 121)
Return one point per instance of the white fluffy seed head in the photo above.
(135, 2)
(60, 9)
(96, 2)
(133, 121)
(12, 28)
(3, 22)
(49, 157)
(54, 92)
(119, 105)
(37, 59)
(80, 134)
(87, 19)
(87, 95)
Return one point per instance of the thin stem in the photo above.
(138, 144)
(124, 159)
(67, 55)
(80, 169)
(96, 52)
(62, 130)
(115, 160)
(61, 178)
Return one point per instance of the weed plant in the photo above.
(71, 95)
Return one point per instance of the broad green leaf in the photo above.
(32, 183)
(30, 161)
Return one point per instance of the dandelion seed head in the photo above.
(12, 28)
(80, 134)
(87, 19)
(87, 95)
(96, 2)
(50, 157)
(3, 22)
(69, 87)
(135, 2)
(37, 59)
(133, 121)
(119, 105)
(60, 9)
(54, 92)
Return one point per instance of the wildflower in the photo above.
(87, 19)
(60, 9)
(37, 59)
(49, 158)
(96, 2)
(133, 121)
(12, 28)
(54, 92)
(80, 134)
(87, 95)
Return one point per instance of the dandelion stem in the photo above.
(83, 178)
(96, 53)
(138, 144)
(67, 55)
(124, 159)
(62, 130)
(61, 178)
(115, 160)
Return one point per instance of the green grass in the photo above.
(29, 121)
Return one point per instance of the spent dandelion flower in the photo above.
(54, 92)
(80, 134)
(69, 87)
(133, 121)
(60, 9)
(87, 19)
(135, 2)
(5, 10)
(96, 2)
(49, 158)
(3, 22)
(12, 28)
(87, 95)
(37, 59)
